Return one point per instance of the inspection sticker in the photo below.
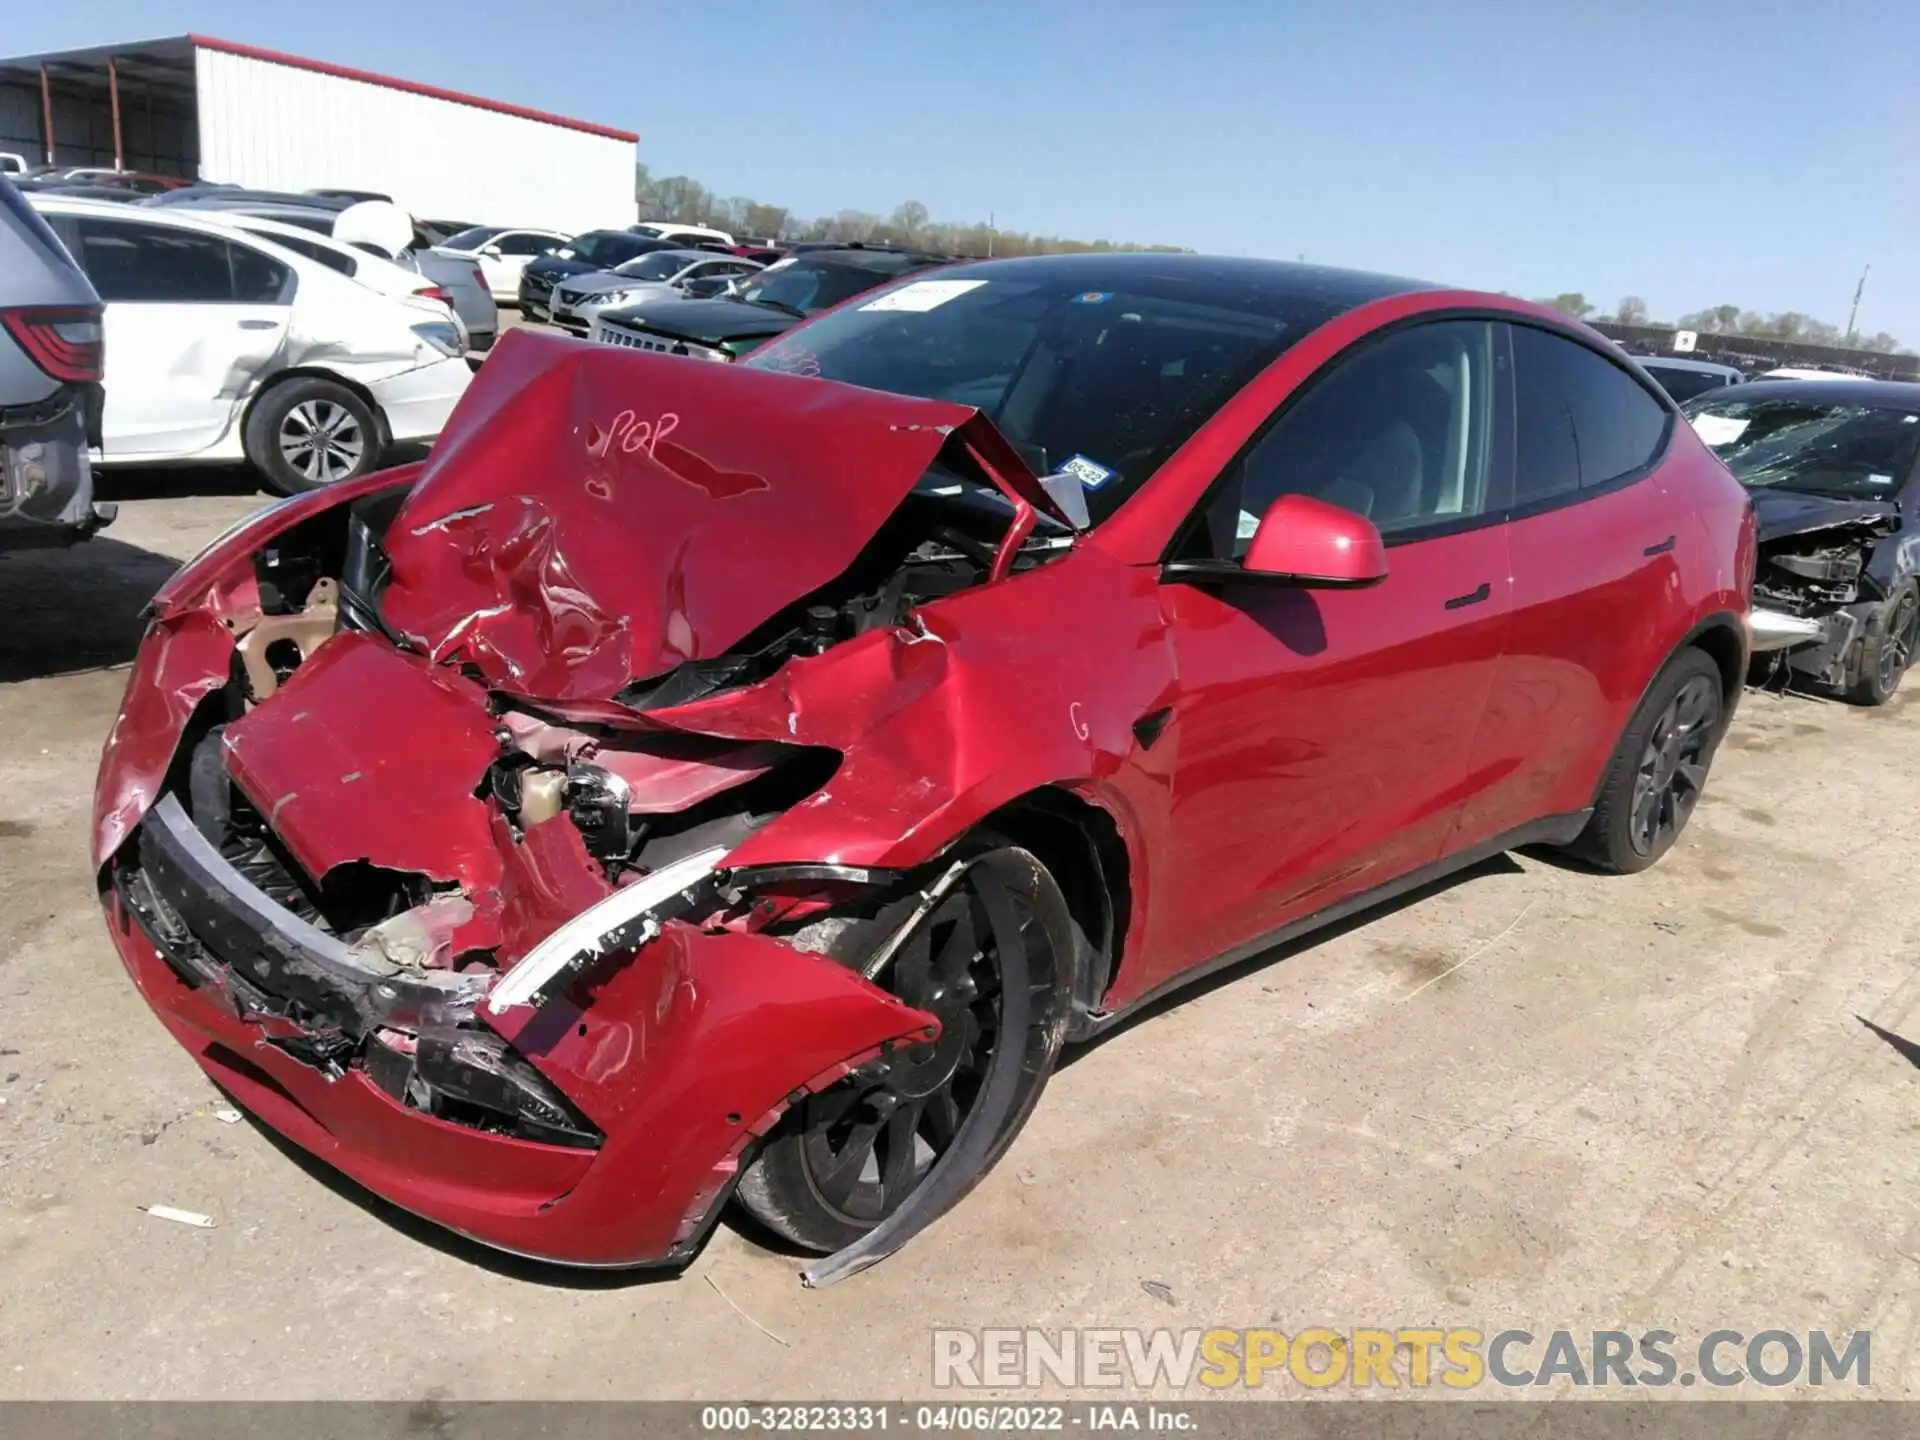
(923, 295)
(1090, 473)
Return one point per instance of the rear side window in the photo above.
(525, 245)
(1685, 384)
(160, 265)
(321, 254)
(1580, 421)
(258, 279)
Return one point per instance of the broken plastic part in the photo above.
(624, 920)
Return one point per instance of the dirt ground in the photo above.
(1529, 1098)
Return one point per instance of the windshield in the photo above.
(606, 247)
(1854, 452)
(804, 289)
(1685, 384)
(472, 239)
(663, 265)
(1101, 384)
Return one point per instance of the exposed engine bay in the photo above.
(1810, 590)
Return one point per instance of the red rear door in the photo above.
(1595, 542)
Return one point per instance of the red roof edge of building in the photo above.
(347, 72)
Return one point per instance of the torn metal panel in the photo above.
(182, 661)
(407, 804)
(604, 516)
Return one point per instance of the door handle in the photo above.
(1460, 602)
(258, 324)
(1662, 548)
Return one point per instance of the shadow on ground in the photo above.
(170, 482)
(1904, 1048)
(1502, 864)
(75, 609)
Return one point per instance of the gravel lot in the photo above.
(1529, 1098)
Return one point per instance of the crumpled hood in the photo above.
(592, 516)
(1783, 513)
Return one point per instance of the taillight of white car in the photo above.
(444, 336)
(66, 341)
(435, 292)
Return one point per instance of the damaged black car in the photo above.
(1831, 467)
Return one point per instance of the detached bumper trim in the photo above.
(1777, 630)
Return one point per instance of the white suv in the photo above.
(224, 346)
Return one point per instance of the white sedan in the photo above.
(502, 254)
(224, 346)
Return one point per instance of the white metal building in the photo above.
(206, 108)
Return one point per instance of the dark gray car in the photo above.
(50, 396)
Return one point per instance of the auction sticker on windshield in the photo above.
(923, 295)
(1090, 473)
(1718, 430)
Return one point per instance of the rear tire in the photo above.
(1886, 650)
(993, 961)
(307, 433)
(1659, 768)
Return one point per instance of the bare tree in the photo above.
(1631, 310)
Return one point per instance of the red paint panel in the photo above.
(1322, 739)
(180, 662)
(681, 1048)
(412, 87)
(365, 754)
(592, 516)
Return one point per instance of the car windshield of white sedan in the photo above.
(1854, 452)
(471, 239)
(1099, 384)
(661, 265)
(606, 247)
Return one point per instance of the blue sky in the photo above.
(1756, 153)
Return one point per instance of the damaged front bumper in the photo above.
(596, 1116)
(650, 1093)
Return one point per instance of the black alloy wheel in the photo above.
(904, 1137)
(1673, 766)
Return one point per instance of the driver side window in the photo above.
(1400, 431)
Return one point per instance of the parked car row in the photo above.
(138, 336)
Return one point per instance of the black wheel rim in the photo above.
(868, 1142)
(1673, 768)
(1896, 650)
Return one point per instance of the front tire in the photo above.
(1886, 650)
(923, 1124)
(307, 433)
(1659, 768)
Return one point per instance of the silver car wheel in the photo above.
(322, 441)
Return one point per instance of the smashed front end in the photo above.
(422, 824)
(1816, 582)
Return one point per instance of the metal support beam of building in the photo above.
(46, 111)
(113, 94)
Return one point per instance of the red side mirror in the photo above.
(1312, 543)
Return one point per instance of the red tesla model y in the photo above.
(737, 781)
